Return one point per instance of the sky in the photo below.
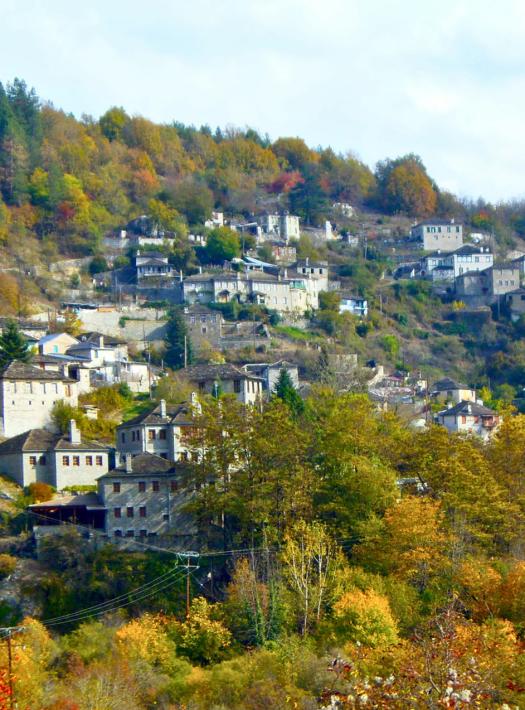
(379, 78)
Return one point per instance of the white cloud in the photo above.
(379, 77)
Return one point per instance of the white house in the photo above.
(469, 418)
(28, 395)
(449, 265)
(56, 343)
(434, 234)
(355, 305)
(60, 460)
(452, 391)
(226, 379)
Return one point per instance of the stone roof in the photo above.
(93, 337)
(175, 413)
(17, 370)
(85, 500)
(437, 221)
(468, 408)
(144, 464)
(53, 336)
(448, 383)
(43, 440)
(226, 371)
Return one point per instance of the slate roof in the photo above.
(142, 465)
(85, 500)
(448, 383)
(53, 336)
(93, 337)
(175, 413)
(470, 408)
(438, 222)
(21, 371)
(43, 440)
(226, 371)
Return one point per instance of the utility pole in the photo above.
(189, 556)
(185, 351)
(7, 633)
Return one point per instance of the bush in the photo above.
(7, 565)
(40, 492)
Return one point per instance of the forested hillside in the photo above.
(66, 181)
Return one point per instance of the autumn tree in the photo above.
(404, 186)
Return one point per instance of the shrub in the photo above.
(40, 492)
(7, 565)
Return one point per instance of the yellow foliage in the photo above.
(146, 639)
(365, 617)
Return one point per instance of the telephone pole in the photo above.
(192, 563)
(7, 633)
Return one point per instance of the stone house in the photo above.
(505, 278)
(283, 226)
(469, 418)
(143, 499)
(485, 287)
(57, 459)
(434, 234)
(158, 431)
(28, 395)
(153, 265)
(203, 324)
(448, 390)
(270, 372)
(353, 304)
(441, 266)
(226, 379)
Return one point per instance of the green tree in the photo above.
(112, 123)
(222, 244)
(178, 345)
(285, 390)
(13, 345)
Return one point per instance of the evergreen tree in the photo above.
(285, 390)
(13, 345)
(177, 341)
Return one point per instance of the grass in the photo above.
(294, 333)
(139, 404)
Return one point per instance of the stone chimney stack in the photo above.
(129, 467)
(163, 408)
(74, 433)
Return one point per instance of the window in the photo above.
(166, 516)
(65, 460)
(155, 485)
(152, 434)
(99, 460)
(138, 434)
(123, 437)
(43, 460)
(32, 460)
(202, 385)
(142, 486)
(76, 460)
(237, 386)
(162, 434)
(118, 533)
(89, 460)
(173, 486)
(129, 511)
(142, 511)
(143, 533)
(117, 512)
(130, 533)
(116, 487)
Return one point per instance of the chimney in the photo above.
(286, 273)
(307, 260)
(74, 433)
(101, 341)
(129, 466)
(163, 408)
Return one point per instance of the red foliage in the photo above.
(285, 182)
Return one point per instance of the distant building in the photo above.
(485, 287)
(283, 226)
(270, 373)
(28, 395)
(469, 418)
(353, 304)
(434, 234)
(441, 266)
(217, 220)
(56, 343)
(225, 379)
(344, 208)
(515, 301)
(283, 253)
(452, 391)
(60, 460)
(153, 265)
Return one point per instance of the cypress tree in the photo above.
(176, 332)
(285, 390)
(13, 345)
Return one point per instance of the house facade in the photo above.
(144, 498)
(434, 234)
(354, 305)
(448, 390)
(159, 431)
(60, 460)
(270, 373)
(28, 395)
(226, 379)
(56, 344)
(447, 266)
(153, 265)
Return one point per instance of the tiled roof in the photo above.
(43, 440)
(21, 371)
